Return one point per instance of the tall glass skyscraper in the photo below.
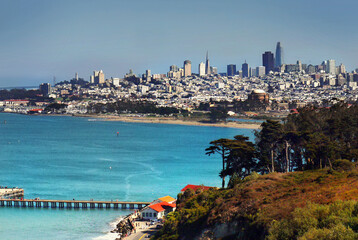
(207, 64)
(279, 55)
(231, 70)
(268, 61)
(245, 70)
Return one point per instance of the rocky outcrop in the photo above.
(124, 227)
(219, 231)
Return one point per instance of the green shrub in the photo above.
(234, 180)
(337, 221)
(203, 197)
(321, 179)
(252, 176)
(343, 165)
(353, 174)
(339, 232)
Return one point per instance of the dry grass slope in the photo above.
(256, 203)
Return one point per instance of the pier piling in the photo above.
(4, 202)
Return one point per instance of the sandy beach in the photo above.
(163, 120)
(168, 120)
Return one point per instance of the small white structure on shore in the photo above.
(159, 208)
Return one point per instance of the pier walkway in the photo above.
(71, 204)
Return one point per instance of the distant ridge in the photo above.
(20, 87)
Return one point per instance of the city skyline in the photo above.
(60, 39)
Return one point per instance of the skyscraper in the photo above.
(331, 67)
(279, 55)
(148, 75)
(341, 69)
(324, 66)
(268, 61)
(101, 77)
(45, 89)
(260, 71)
(98, 77)
(231, 70)
(253, 72)
(299, 66)
(201, 69)
(245, 70)
(311, 69)
(213, 70)
(207, 64)
(173, 68)
(95, 76)
(187, 68)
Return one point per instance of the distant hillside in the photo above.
(305, 205)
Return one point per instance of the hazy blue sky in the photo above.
(42, 39)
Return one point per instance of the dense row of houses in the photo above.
(22, 106)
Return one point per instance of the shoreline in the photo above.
(168, 120)
(157, 120)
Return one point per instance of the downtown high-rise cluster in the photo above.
(271, 62)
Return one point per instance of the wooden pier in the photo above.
(32, 203)
(11, 192)
(13, 197)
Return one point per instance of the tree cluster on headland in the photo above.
(312, 138)
(298, 180)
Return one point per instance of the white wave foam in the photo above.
(114, 223)
(106, 159)
(128, 185)
(109, 235)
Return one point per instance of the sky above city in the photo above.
(41, 39)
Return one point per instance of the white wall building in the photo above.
(260, 71)
(157, 210)
(115, 81)
(201, 69)
(331, 67)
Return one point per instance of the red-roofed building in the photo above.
(36, 110)
(158, 210)
(195, 187)
(167, 199)
(294, 111)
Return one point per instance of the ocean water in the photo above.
(60, 157)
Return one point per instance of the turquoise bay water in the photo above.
(57, 157)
